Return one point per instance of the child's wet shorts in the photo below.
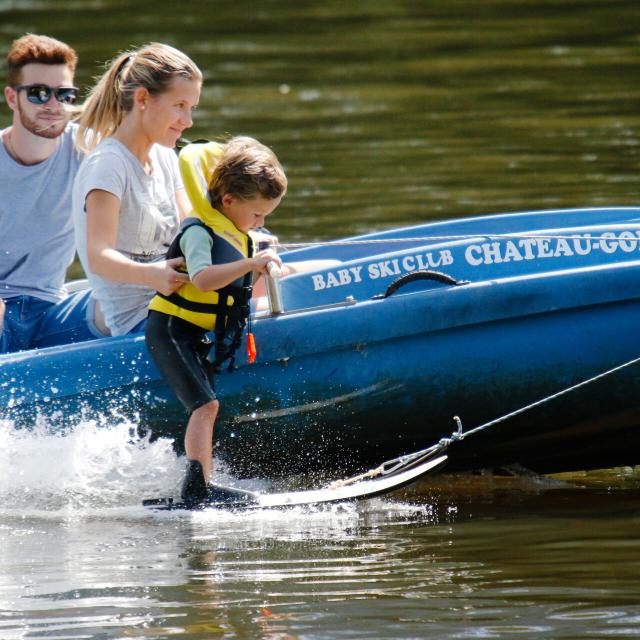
(178, 349)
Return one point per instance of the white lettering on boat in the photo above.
(498, 251)
(400, 266)
(382, 269)
(336, 279)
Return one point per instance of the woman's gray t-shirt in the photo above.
(148, 221)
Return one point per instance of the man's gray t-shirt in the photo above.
(37, 244)
(148, 221)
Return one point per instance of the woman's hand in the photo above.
(164, 276)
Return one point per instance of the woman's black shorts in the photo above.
(180, 353)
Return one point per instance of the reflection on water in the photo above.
(384, 113)
(386, 570)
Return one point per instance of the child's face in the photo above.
(248, 213)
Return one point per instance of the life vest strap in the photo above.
(197, 307)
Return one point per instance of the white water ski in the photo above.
(359, 490)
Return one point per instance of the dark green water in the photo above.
(391, 112)
(384, 114)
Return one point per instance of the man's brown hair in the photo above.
(32, 48)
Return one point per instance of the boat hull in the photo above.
(348, 383)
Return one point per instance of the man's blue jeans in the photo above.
(31, 323)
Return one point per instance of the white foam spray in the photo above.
(84, 466)
(97, 465)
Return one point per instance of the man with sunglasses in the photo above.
(38, 163)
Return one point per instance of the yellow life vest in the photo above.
(197, 161)
(226, 309)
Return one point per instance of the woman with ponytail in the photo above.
(128, 196)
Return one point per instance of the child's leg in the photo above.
(178, 351)
(198, 439)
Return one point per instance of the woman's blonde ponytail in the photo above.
(152, 67)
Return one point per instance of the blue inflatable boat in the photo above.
(525, 324)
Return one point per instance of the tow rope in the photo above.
(404, 462)
(468, 236)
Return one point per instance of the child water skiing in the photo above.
(246, 185)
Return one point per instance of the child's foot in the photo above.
(195, 489)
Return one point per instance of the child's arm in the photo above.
(196, 245)
(217, 276)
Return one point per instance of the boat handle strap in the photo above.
(422, 274)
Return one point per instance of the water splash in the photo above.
(84, 466)
(90, 468)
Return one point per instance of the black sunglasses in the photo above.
(41, 93)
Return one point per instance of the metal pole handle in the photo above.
(274, 293)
